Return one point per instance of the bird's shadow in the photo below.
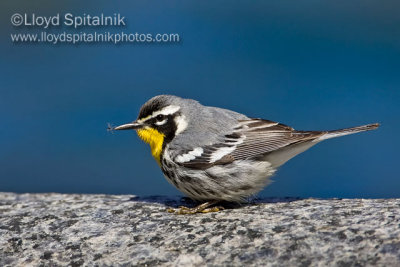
(176, 201)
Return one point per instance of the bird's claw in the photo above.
(203, 208)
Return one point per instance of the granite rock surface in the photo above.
(109, 230)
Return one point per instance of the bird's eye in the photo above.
(160, 117)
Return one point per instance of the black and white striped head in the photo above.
(163, 113)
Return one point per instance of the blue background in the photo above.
(314, 65)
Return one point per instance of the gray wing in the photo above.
(251, 138)
(263, 137)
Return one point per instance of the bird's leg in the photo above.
(202, 208)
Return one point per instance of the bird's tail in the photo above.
(342, 132)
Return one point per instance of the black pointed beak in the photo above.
(129, 126)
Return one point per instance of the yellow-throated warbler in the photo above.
(213, 154)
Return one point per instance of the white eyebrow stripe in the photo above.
(144, 119)
(168, 110)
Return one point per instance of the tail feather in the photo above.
(342, 132)
(280, 156)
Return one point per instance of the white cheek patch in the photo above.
(190, 155)
(181, 124)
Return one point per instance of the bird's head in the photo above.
(160, 119)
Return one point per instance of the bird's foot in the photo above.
(202, 208)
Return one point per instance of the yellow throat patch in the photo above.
(155, 139)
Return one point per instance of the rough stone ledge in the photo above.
(105, 230)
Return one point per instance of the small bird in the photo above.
(213, 154)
